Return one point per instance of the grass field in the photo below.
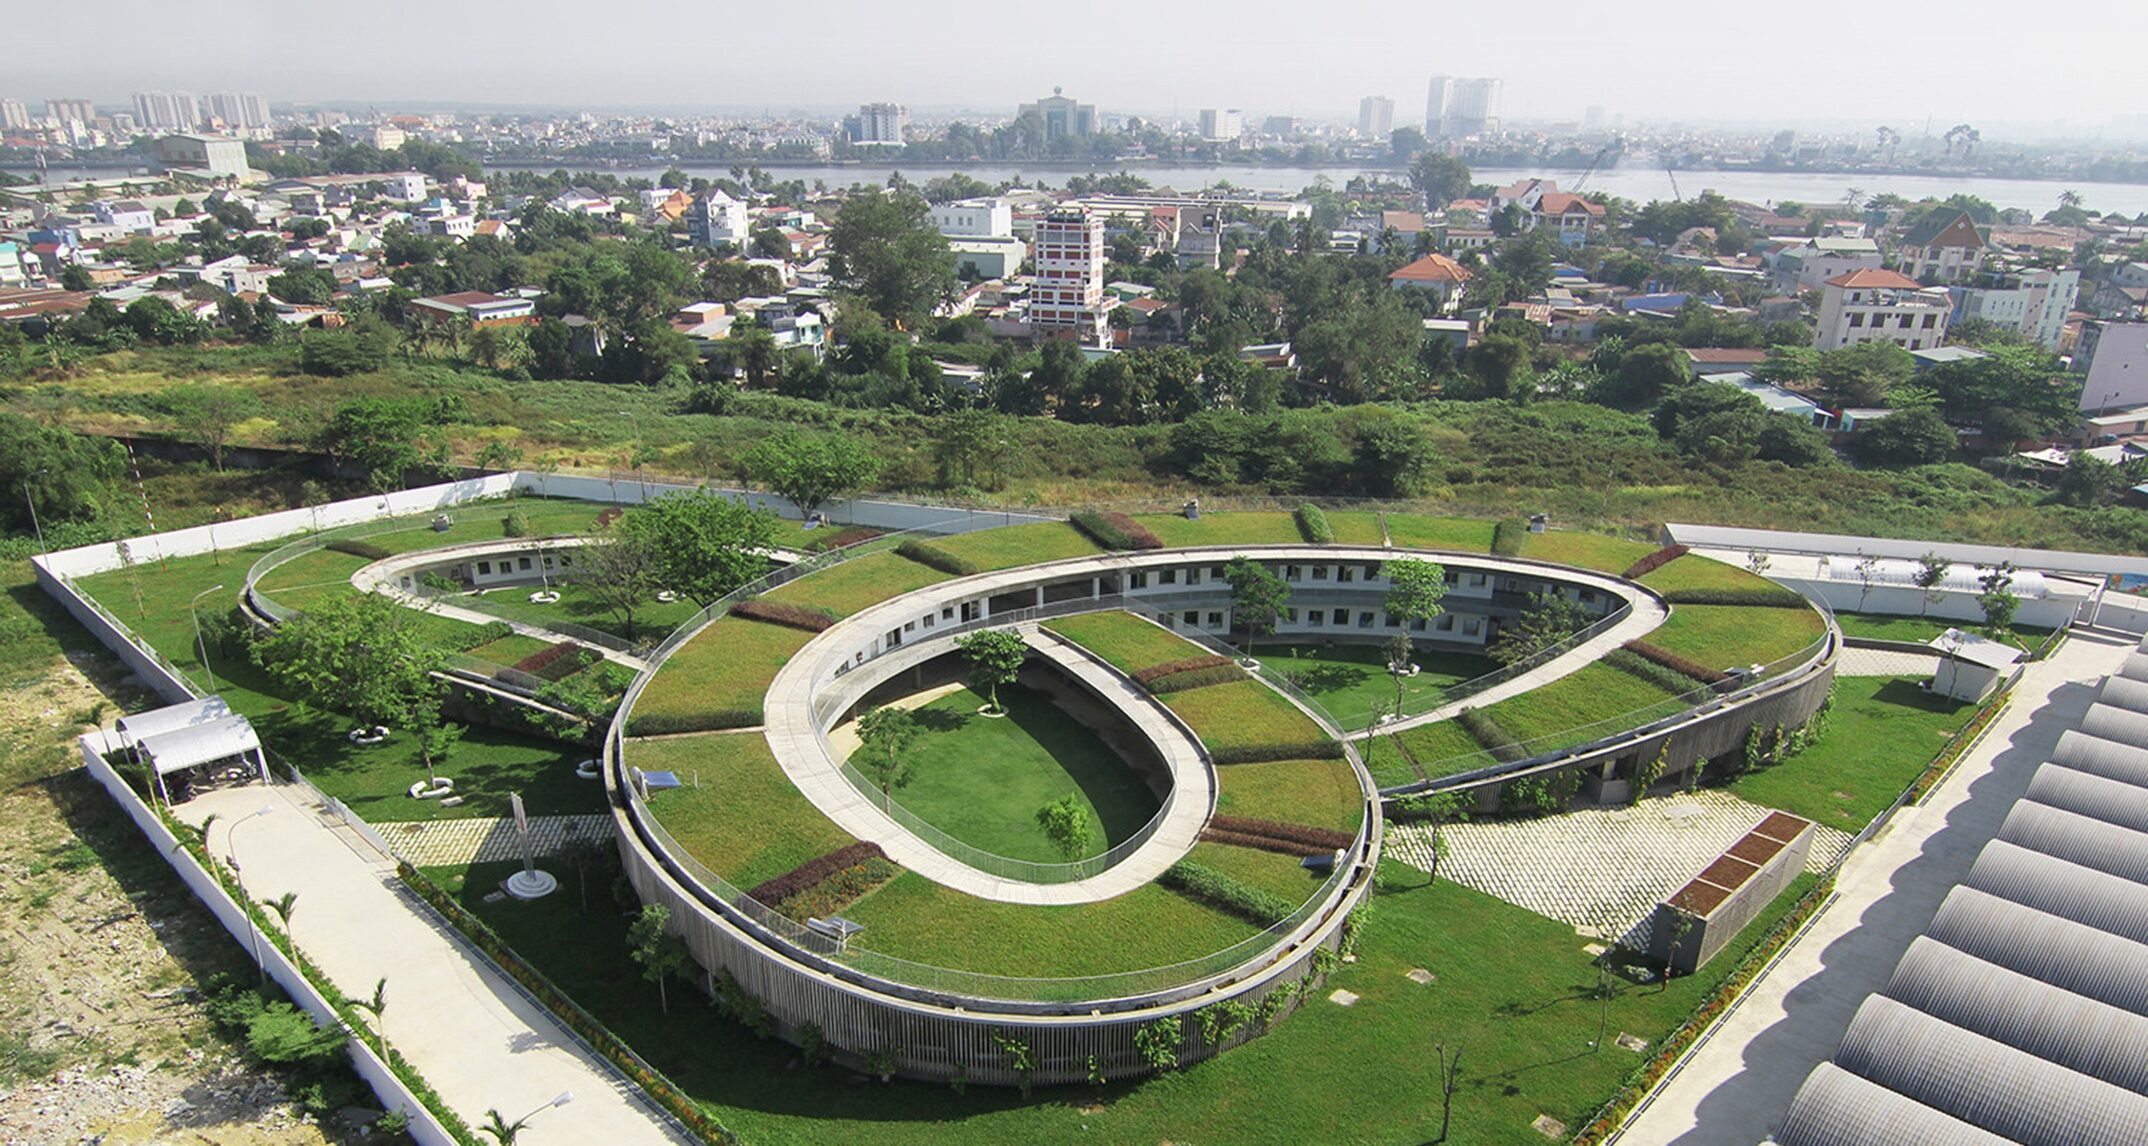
(1255, 528)
(577, 606)
(1888, 627)
(1272, 872)
(1613, 555)
(1244, 715)
(1126, 642)
(728, 665)
(1881, 734)
(981, 780)
(1442, 748)
(1349, 679)
(744, 818)
(1320, 793)
(1693, 571)
(1571, 710)
(1016, 545)
(858, 584)
(1728, 636)
(1463, 534)
(1356, 527)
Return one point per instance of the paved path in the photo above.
(1602, 869)
(382, 577)
(1885, 662)
(444, 843)
(1736, 1086)
(469, 1032)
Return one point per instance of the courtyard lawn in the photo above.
(1513, 991)
(1350, 679)
(510, 649)
(1463, 534)
(1357, 527)
(322, 567)
(1922, 630)
(1126, 642)
(1732, 636)
(1442, 748)
(981, 780)
(1595, 701)
(1262, 870)
(1881, 734)
(726, 669)
(1693, 571)
(1613, 555)
(1016, 545)
(1246, 716)
(1317, 793)
(858, 584)
(736, 811)
(487, 521)
(1259, 528)
(577, 606)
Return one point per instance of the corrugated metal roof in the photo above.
(2065, 954)
(2112, 759)
(2024, 1013)
(2131, 695)
(2116, 724)
(2105, 902)
(1837, 1108)
(1839, 544)
(2076, 838)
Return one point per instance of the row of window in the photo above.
(1902, 322)
(521, 564)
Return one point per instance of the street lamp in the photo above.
(506, 1132)
(635, 420)
(193, 610)
(231, 856)
(32, 503)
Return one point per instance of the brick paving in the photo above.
(1885, 662)
(1600, 869)
(445, 843)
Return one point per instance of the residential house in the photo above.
(1932, 357)
(1707, 361)
(668, 203)
(128, 215)
(1200, 242)
(403, 187)
(716, 220)
(2114, 355)
(1808, 265)
(480, 308)
(2034, 303)
(1944, 247)
(1776, 399)
(1882, 306)
(581, 201)
(1570, 217)
(1437, 275)
(988, 258)
(1459, 239)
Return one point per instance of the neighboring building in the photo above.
(1942, 248)
(1375, 117)
(13, 115)
(1062, 118)
(880, 125)
(128, 215)
(1810, 264)
(1708, 361)
(239, 109)
(1200, 241)
(479, 307)
(1222, 124)
(2115, 356)
(1881, 306)
(1459, 108)
(214, 155)
(717, 219)
(2034, 303)
(1934, 357)
(1459, 239)
(1436, 275)
(384, 137)
(988, 257)
(71, 110)
(403, 186)
(975, 219)
(1776, 399)
(165, 111)
(1569, 216)
(1068, 289)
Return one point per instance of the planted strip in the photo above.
(1224, 893)
(1114, 530)
(1313, 524)
(1654, 561)
(933, 557)
(807, 617)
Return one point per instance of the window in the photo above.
(1453, 578)
(1929, 319)
(1417, 626)
(928, 620)
(1193, 575)
(1320, 572)
(948, 613)
(1137, 580)
(1476, 579)
(1364, 619)
(484, 568)
(894, 637)
(1215, 573)
(1471, 626)
(1215, 620)
(1293, 573)
(1168, 577)
(1290, 616)
(522, 563)
(911, 626)
(1444, 622)
(1371, 572)
(1192, 617)
(1902, 323)
(1316, 616)
(1345, 573)
(1393, 622)
(1588, 596)
(1857, 319)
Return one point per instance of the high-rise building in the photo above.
(1222, 123)
(13, 116)
(1456, 108)
(167, 111)
(70, 110)
(882, 124)
(1375, 116)
(1063, 118)
(1068, 292)
(239, 109)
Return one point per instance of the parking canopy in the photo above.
(192, 734)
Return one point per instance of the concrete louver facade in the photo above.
(2021, 1015)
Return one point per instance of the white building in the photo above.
(213, 154)
(1375, 117)
(403, 186)
(1222, 124)
(239, 109)
(167, 111)
(2117, 357)
(717, 219)
(881, 124)
(383, 137)
(988, 258)
(1808, 265)
(1067, 291)
(1062, 116)
(2035, 303)
(13, 115)
(1458, 108)
(975, 219)
(1943, 248)
(128, 215)
(1881, 306)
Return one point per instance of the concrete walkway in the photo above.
(463, 1025)
(1738, 1083)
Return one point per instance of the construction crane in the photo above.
(1609, 150)
(1674, 181)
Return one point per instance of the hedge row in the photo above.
(536, 663)
(1322, 749)
(1664, 677)
(1187, 664)
(1313, 524)
(1114, 530)
(1197, 678)
(1262, 843)
(1769, 597)
(1508, 536)
(855, 535)
(705, 720)
(838, 891)
(1212, 887)
(807, 617)
(357, 548)
(484, 634)
(934, 557)
(1676, 663)
(1326, 839)
(1487, 732)
(813, 871)
(1654, 561)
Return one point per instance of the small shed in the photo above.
(195, 734)
(1970, 666)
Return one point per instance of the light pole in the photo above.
(193, 610)
(505, 1132)
(32, 503)
(635, 420)
(231, 856)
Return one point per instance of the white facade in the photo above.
(1375, 117)
(1809, 265)
(1888, 308)
(988, 258)
(406, 187)
(2036, 304)
(13, 115)
(128, 215)
(239, 109)
(167, 111)
(1220, 124)
(1068, 284)
(214, 154)
(717, 219)
(1456, 108)
(2118, 369)
(882, 123)
(975, 219)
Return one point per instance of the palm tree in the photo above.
(2069, 198)
(375, 1006)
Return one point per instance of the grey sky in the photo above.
(1986, 61)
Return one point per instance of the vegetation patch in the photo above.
(556, 661)
(1461, 534)
(1272, 835)
(936, 557)
(1490, 736)
(814, 870)
(838, 890)
(1923, 630)
(1750, 596)
(1313, 524)
(1696, 572)
(857, 584)
(1881, 734)
(1154, 673)
(806, 618)
(1596, 551)
(722, 674)
(1683, 665)
(1441, 748)
(736, 811)
(1734, 636)
(1227, 528)
(1662, 676)
(1653, 562)
(1321, 793)
(850, 535)
(1247, 721)
(1196, 678)
(479, 636)
(1114, 530)
(1509, 536)
(1126, 642)
(359, 548)
(1593, 702)
(1222, 892)
(1011, 546)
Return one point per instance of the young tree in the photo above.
(1550, 618)
(1450, 1077)
(1066, 824)
(1997, 599)
(886, 734)
(1440, 808)
(995, 657)
(660, 953)
(810, 469)
(700, 545)
(1257, 598)
(377, 1006)
(1415, 589)
(1931, 573)
(1679, 925)
(205, 413)
(619, 569)
(1867, 569)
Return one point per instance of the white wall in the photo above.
(1844, 597)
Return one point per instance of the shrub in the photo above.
(838, 891)
(1654, 561)
(1264, 843)
(1676, 663)
(556, 661)
(483, 634)
(1487, 732)
(855, 535)
(1197, 678)
(706, 720)
(1322, 749)
(1260, 908)
(934, 557)
(1187, 664)
(357, 548)
(1313, 524)
(1664, 677)
(1325, 839)
(1758, 596)
(516, 524)
(813, 871)
(1114, 530)
(1508, 535)
(807, 617)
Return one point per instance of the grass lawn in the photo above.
(1727, 636)
(1262, 870)
(1318, 793)
(322, 567)
(1263, 528)
(487, 521)
(981, 780)
(1693, 571)
(745, 820)
(858, 584)
(510, 649)
(1613, 555)
(1442, 748)
(1016, 545)
(1465, 534)
(1127, 642)
(1889, 627)
(1881, 734)
(1244, 715)
(576, 606)
(1568, 710)
(1513, 991)
(1356, 527)
(726, 666)
(1349, 679)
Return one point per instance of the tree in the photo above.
(1644, 374)
(971, 447)
(1450, 1077)
(1392, 459)
(809, 469)
(886, 734)
(1066, 824)
(67, 476)
(1441, 179)
(995, 657)
(377, 1006)
(76, 277)
(1258, 597)
(884, 247)
(2086, 482)
(701, 545)
(1415, 589)
(1861, 374)
(389, 437)
(1931, 574)
(1439, 808)
(361, 653)
(205, 413)
(1997, 599)
(1551, 617)
(1912, 437)
(619, 569)
(1867, 569)
(660, 953)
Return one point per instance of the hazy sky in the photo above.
(1855, 60)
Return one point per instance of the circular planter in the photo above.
(666, 597)
(367, 737)
(545, 597)
(986, 712)
(432, 789)
(590, 769)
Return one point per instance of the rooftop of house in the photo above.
(1433, 268)
(1941, 229)
(1566, 203)
(1874, 278)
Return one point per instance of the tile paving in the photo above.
(445, 843)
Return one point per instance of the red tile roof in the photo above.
(1725, 354)
(1868, 278)
(1434, 268)
(1565, 203)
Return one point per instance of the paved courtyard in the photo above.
(1885, 662)
(442, 843)
(1602, 869)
